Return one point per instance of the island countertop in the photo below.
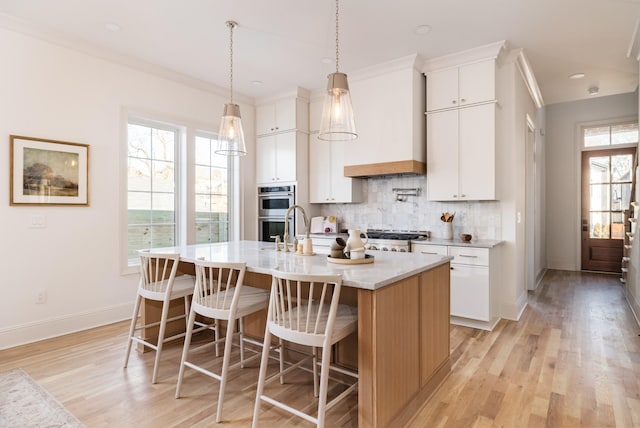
(261, 257)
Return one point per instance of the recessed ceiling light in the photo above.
(593, 90)
(422, 30)
(327, 60)
(257, 82)
(576, 76)
(112, 27)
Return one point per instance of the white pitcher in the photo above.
(355, 242)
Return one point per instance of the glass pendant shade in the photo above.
(231, 136)
(337, 113)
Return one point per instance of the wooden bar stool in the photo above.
(158, 281)
(304, 309)
(219, 294)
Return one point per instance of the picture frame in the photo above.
(48, 172)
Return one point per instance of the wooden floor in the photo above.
(572, 360)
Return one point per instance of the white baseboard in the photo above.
(54, 327)
(514, 311)
(633, 305)
(468, 322)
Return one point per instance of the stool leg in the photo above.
(163, 327)
(264, 361)
(228, 343)
(132, 328)
(315, 371)
(241, 327)
(185, 350)
(324, 384)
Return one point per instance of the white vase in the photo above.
(447, 230)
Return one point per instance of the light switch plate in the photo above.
(38, 222)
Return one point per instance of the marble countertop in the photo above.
(261, 257)
(458, 243)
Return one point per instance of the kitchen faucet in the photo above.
(286, 226)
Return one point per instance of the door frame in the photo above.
(579, 132)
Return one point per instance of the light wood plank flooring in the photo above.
(572, 360)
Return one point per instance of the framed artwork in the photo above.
(48, 172)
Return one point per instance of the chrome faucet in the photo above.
(286, 226)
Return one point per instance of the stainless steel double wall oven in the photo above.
(273, 202)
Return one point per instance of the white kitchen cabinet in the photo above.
(276, 157)
(475, 283)
(461, 154)
(327, 183)
(281, 116)
(461, 86)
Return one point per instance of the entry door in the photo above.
(606, 188)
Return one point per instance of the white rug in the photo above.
(24, 403)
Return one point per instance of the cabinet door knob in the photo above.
(453, 102)
(462, 100)
(455, 196)
(463, 195)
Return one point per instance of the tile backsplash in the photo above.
(382, 211)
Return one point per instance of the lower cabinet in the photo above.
(475, 283)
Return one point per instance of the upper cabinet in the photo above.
(461, 154)
(462, 124)
(327, 182)
(388, 105)
(282, 143)
(461, 86)
(276, 157)
(282, 115)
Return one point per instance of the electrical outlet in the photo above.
(41, 296)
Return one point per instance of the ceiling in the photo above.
(282, 43)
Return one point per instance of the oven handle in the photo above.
(270, 217)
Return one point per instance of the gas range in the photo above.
(393, 240)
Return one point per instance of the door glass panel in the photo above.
(621, 168)
(599, 225)
(599, 169)
(599, 197)
(617, 225)
(620, 196)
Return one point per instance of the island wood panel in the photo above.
(388, 358)
(403, 355)
(434, 321)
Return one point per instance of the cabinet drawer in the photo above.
(470, 255)
(429, 249)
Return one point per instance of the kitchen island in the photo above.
(401, 350)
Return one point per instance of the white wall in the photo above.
(515, 104)
(563, 170)
(52, 92)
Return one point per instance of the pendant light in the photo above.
(231, 136)
(337, 113)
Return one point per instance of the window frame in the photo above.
(185, 180)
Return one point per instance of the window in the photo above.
(160, 213)
(151, 187)
(211, 192)
(611, 135)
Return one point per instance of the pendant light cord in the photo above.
(337, 39)
(231, 25)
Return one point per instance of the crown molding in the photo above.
(16, 25)
(298, 92)
(529, 77)
(410, 61)
(481, 53)
(634, 43)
